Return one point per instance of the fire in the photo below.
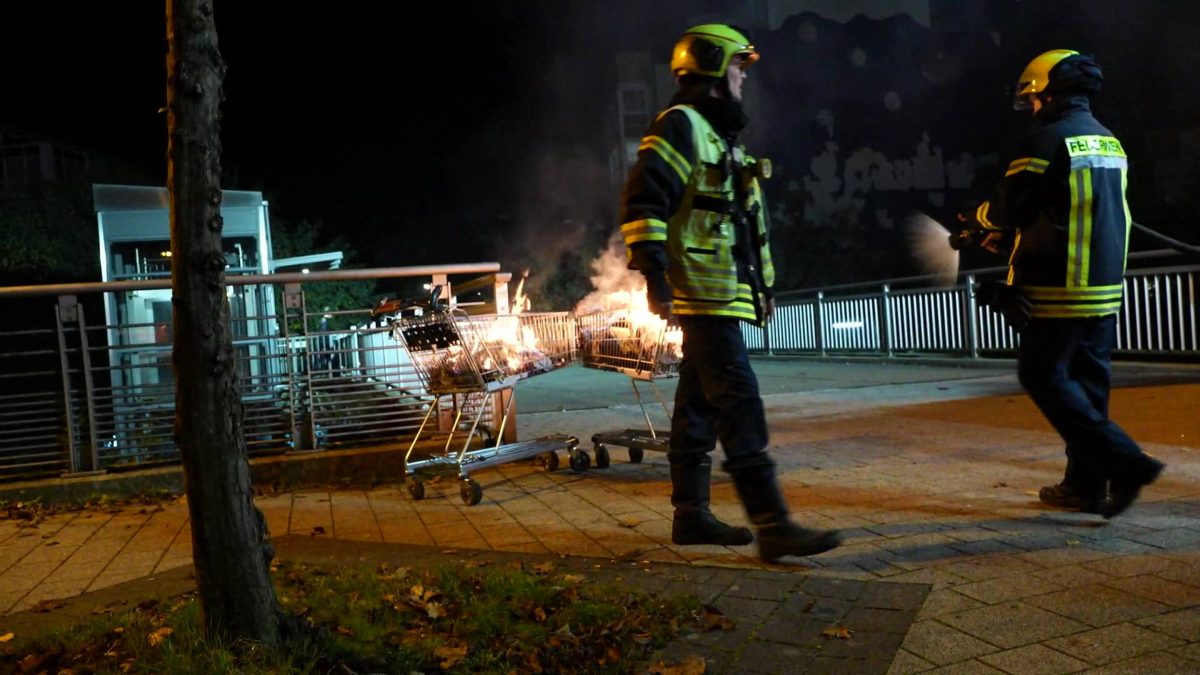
(617, 325)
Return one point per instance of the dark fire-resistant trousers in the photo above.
(718, 399)
(1066, 367)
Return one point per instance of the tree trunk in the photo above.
(230, 546)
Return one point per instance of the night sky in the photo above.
(439, 140)
(356, 114)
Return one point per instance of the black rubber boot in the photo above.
(784, 538)
(777, 535)
(694, 524)
(1126, 489)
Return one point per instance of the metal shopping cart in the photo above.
(464, 361)
(645, 348)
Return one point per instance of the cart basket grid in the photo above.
(454, 352)
(618, 340)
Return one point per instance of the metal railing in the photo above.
(911, 316)
(88, 394)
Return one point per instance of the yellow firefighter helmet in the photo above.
(1036, 77)
(707, 50)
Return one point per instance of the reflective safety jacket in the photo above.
(679, 201)
(1064, 199)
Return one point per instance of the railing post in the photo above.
(89, 392)
(65, 311)
(885, 320)
(442, 281)
(818, 322)
(500, 294)
(970, 318)
(84, 455)
(304, 433)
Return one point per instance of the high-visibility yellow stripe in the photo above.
(1079, 232)
(981, 216)
(1075, 311)
(644, 230)
(669, 155)
(1128, 217)
(1031, 164)
(1114, 291)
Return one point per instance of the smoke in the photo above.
(614, 282)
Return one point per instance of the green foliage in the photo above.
(306, 237)
(48, 233)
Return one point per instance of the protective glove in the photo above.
(1007, 300)
(658, 293)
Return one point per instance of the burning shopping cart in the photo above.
(639, 344)
(464, 361)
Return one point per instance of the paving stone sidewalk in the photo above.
(932, 479)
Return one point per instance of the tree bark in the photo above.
(230, 545)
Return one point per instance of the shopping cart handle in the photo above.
(393, 307)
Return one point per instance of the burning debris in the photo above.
(617, 330)
(457, 352)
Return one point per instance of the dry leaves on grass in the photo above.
(156, 638)
(450, 654)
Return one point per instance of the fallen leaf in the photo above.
(573, 578)
(316, 530)
(435, 610)
(348, 632)
(539, 614)
(692, 665)
(715, 619)
(641, 638)
(629, 522)
(808, 607)
(839, 632)
(543, 568)
(159, 635)
(450, 655)
(6, 637)
(999, 484)
(1072, 542)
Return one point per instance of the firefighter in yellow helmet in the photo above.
(1061, 215)
(694, 223)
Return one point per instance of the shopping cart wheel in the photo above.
(602, 458)
(548, 461)
(580, 461)
(470, 491)
(635, 455)
(416, 488)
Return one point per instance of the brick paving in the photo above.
(951, 564)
